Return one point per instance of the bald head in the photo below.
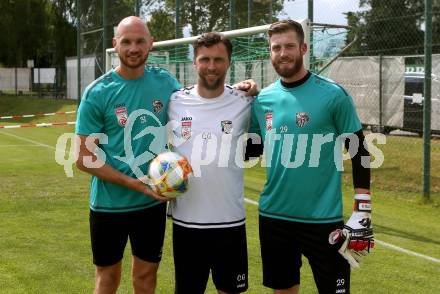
(132, 42)
(132, 23)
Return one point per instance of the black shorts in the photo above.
(221, 250)
(282, 244)
(110, 231)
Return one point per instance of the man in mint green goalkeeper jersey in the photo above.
(120, 128)
(301, 118)
(114, 110)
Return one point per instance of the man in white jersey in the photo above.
(209, 219)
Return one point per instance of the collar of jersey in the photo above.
(296, 83)
(121, 78)
(213, 99)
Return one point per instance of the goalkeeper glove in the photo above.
(357, 233)
(351, 256)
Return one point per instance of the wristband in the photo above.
(362, 202)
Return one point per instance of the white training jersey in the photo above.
(211, 133)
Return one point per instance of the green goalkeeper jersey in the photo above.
(129, 117)
(301, 127)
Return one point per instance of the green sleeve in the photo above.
(176, 85)
(345, 116)
(90, 118)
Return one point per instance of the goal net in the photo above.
(250, 57)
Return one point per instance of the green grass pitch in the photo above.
(44, 233)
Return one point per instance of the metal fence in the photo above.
(41, 82)
(15, 80)
(379, 70)
(388, 91)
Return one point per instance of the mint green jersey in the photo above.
(299, 127)
(129, 118)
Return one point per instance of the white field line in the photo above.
(23, 145)
(391, 246)
(409, 252)
(27, 140)
(251, 201)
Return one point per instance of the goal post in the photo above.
(250, 57)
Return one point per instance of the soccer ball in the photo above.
(169, 174)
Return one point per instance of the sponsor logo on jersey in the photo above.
(186, 123)
(226, 126)
(302, 118)
(157, 106)
(121, 114)
(269, 117)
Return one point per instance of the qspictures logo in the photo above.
(293, 151)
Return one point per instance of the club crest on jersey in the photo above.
(157, 106)
(226, 126)
(269, 116)
(186, 123)
(121, 114)
(302, 118)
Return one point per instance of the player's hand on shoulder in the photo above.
(182, 92)
(248, 86)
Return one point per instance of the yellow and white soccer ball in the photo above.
(169, 174)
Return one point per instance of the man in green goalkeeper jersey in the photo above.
(301, 118)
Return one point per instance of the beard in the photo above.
(125, 60)
(288, 72)
(219, 82)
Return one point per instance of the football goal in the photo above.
(250, 58)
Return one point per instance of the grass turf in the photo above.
(45, 247)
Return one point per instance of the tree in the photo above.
(62, 32)
(436, 27)
(392, 27)
(417, 7)
(36, 29)
(213, 15)
(26, 32)
(161, 25)
(354, 21)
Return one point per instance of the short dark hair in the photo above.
(210, 39)
(283, 26)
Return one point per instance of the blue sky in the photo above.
(325, 11)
